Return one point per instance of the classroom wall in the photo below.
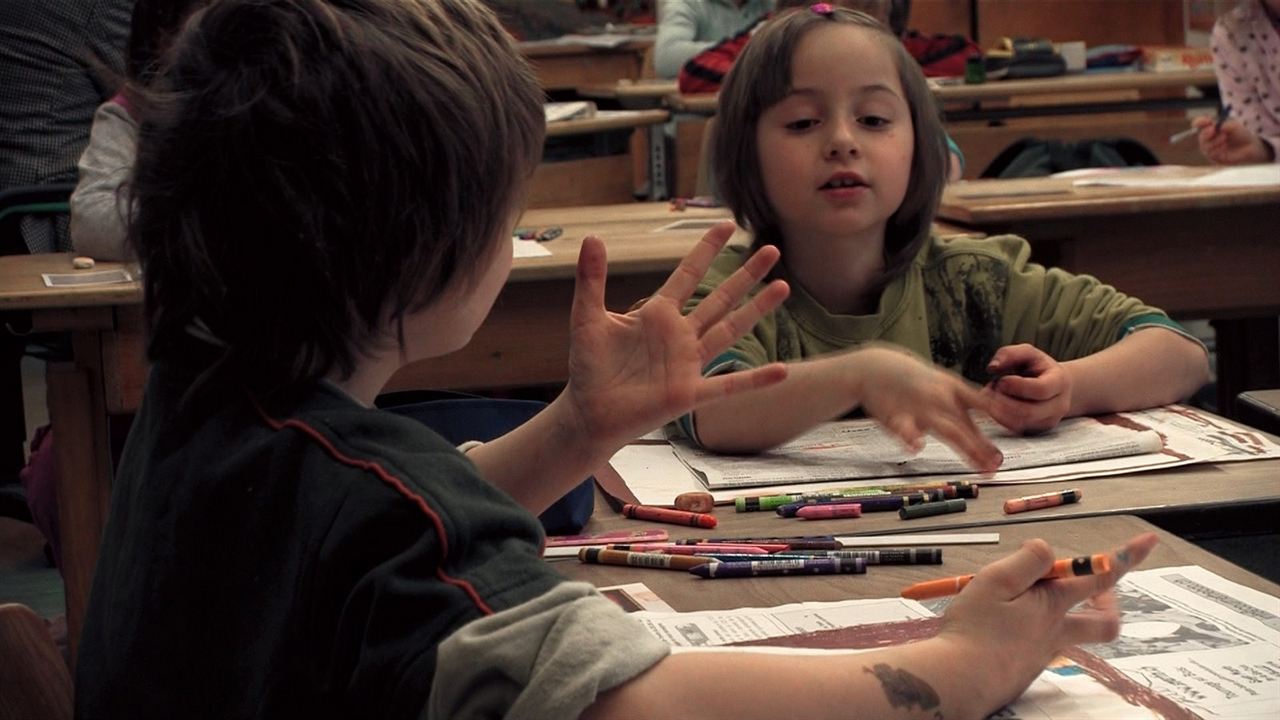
(1096, 22)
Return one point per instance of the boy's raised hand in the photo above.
(1009, 594)
(631, 373)
(1033, 391)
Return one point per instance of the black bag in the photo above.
(1033, 157)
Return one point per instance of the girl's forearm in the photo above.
(1147, 368)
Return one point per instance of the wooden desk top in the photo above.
(705, 104)
(629, 231)
(556, 48)
(1069, 538)
(1074, 85)
(631, 93)
(978, 203)
(607, 120)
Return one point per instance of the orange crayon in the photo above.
(665, 515)
(1036, 502)
(1066, 567)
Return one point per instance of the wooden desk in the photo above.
(635, 94)
(1084, 536)
(1195, 252)
(564, 66)
(1062, 95)
(604, 179)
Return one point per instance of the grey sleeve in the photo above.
(99, 207)
(547, 658)
(677, 39)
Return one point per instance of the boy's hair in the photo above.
(309, 171)
(762, 77)
(152, 25)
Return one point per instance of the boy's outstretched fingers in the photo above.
(726, 330)
(684, 279)
(721, 386)
(729, 293)
(593, 266)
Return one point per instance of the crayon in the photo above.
(1044, 500)
(650, 536)
(825, 512)
(950, 489)
(941, 507)
(880, 503)
(700, 548)
(885, 556)
(806, 542)
(1066, 567)
(599, 556)
(792, 566)
(675, 517)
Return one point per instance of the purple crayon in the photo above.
(792, 566)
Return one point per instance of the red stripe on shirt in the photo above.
(395, 483)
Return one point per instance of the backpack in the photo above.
(940, 55)
(1033, 157)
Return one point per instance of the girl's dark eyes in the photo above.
(874, 121)
(804, 124)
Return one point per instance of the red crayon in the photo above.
(824, 512)
(675, 517)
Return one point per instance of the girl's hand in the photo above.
(1233, 144)
(1033, 393)
(1009, 594)
(911, 397)
(630, 374)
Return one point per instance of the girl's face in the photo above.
(836, 152)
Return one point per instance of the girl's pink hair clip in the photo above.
(822, 9)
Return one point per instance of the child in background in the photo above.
(843, 170)
(688, 27)
(1246, 50)
(100, 205)
(705, 72)
(279, 548)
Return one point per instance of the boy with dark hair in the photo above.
(325, 192)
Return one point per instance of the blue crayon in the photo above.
(791, 566)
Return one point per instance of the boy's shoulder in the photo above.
(941, 250)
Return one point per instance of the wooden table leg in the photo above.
(83, 471)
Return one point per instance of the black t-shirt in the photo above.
(303, 561)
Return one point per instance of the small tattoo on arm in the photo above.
(904, 689)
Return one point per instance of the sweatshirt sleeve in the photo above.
(549, 657)
(99, 205)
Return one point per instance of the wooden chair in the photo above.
(34, 681)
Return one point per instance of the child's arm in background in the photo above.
(908, 396)
(972, 668)
(632, 373)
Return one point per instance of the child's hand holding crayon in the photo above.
(1010, 593)
(1031, 391)
(1229, 142)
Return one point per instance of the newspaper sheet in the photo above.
(655, 474)
(1210, 645)
(862, 449)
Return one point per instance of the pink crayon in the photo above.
(825, 512)
(700, 548)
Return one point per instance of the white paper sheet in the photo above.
(528, 249)
(1239, 176)
(862, 449)
(1200, 640)
(656, 476)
